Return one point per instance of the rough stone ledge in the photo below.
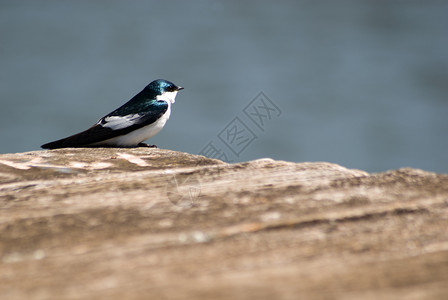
(151, 223)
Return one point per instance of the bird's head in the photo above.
(163, 90)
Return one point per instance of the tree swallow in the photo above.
(137, 120)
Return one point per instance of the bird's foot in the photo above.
(146, 145)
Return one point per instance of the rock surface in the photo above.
(158, 224)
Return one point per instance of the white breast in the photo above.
(137, 136)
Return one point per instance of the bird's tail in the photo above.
(87, 138)
(62, 143)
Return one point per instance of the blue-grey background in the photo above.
(360, 83)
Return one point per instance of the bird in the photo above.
(137, 120)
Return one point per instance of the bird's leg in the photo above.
(146, 145)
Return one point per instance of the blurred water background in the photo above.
(360, 83)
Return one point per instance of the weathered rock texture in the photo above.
(158, 224)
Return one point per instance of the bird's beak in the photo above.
(179, 88)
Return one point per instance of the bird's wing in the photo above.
(113, 125)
